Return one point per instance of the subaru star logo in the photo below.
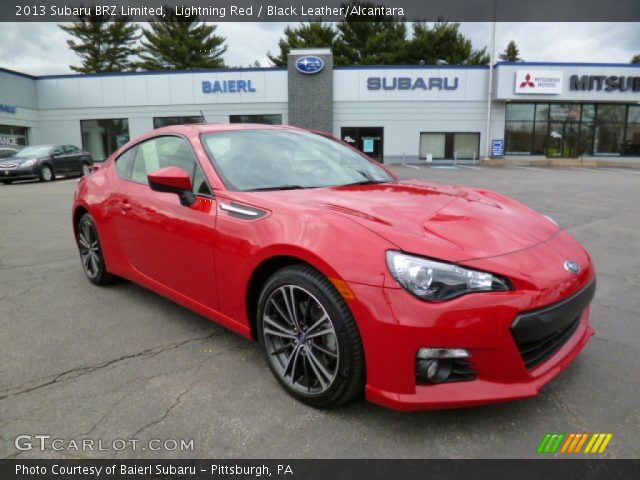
(309, 64)
(571, 266)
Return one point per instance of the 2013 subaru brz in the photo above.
(421, 295)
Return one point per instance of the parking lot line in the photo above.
(623, 171)
(531, 168)
(411, 166)
(595, 170)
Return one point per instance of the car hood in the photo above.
(439, 221)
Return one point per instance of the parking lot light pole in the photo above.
(487, 144)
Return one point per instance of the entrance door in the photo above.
(563, 139)
(368, 140)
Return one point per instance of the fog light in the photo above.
(435, 365)
(439, 353)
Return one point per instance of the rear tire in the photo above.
(7, 182)
(46, 174)
(310, 338)
(90, 249)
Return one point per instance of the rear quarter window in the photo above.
(124, 163)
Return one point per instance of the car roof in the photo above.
(219, 127)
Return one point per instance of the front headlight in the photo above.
(28, 163)
(438, 281)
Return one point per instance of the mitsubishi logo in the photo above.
(527, 82)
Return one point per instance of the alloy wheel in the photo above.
(47, 174)
(300, 340)
(89, 250)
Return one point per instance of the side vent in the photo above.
(242, 212)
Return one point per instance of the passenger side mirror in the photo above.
(173, 180)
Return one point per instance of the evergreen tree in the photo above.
(181, 43)
(370, 40)
(305, 35)
(102, 44)
(635, 58)
(442, 42)
(511, 54)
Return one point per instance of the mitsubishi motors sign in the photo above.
(545, 82)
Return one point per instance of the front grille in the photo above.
(541, 333)
(534, 353)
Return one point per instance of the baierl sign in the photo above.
(544, 82)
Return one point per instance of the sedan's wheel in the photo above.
(7, 182)
(310, 338)
(86, 170)
(91, 252)
(46, 174)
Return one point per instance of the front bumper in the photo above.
(17, 173)
(394, 325)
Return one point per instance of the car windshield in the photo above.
(284, 159)
(34, 151)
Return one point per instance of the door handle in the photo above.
(125, 206)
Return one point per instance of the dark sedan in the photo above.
(45, 162)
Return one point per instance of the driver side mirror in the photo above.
(173, 180)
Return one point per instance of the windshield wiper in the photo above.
(279, 187)
(365, 182)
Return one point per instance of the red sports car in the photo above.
(421, 295)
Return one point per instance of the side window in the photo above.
(58, 151)
(200, 185)
(159, 153)
(125, 161)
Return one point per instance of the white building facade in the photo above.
(395, 114)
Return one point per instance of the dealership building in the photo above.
(396, 114)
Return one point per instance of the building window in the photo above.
(432, 143)
(460, 145)
(608, 133)
(159, 122)
(521, 137)
(11, 136)
(103, 137)
(572, 129)
(632, 136)
(269, 119)
(518, 138)
(466, 145)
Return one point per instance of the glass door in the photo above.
(563, 139)
(368, 140)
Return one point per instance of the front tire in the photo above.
(310, 338)
(46, 174)
(91, 252)
(7, 182)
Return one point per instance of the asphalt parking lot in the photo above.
(79, 361)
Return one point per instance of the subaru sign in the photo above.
(309, 64)
(409, 83)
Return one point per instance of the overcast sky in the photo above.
(40, 48)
